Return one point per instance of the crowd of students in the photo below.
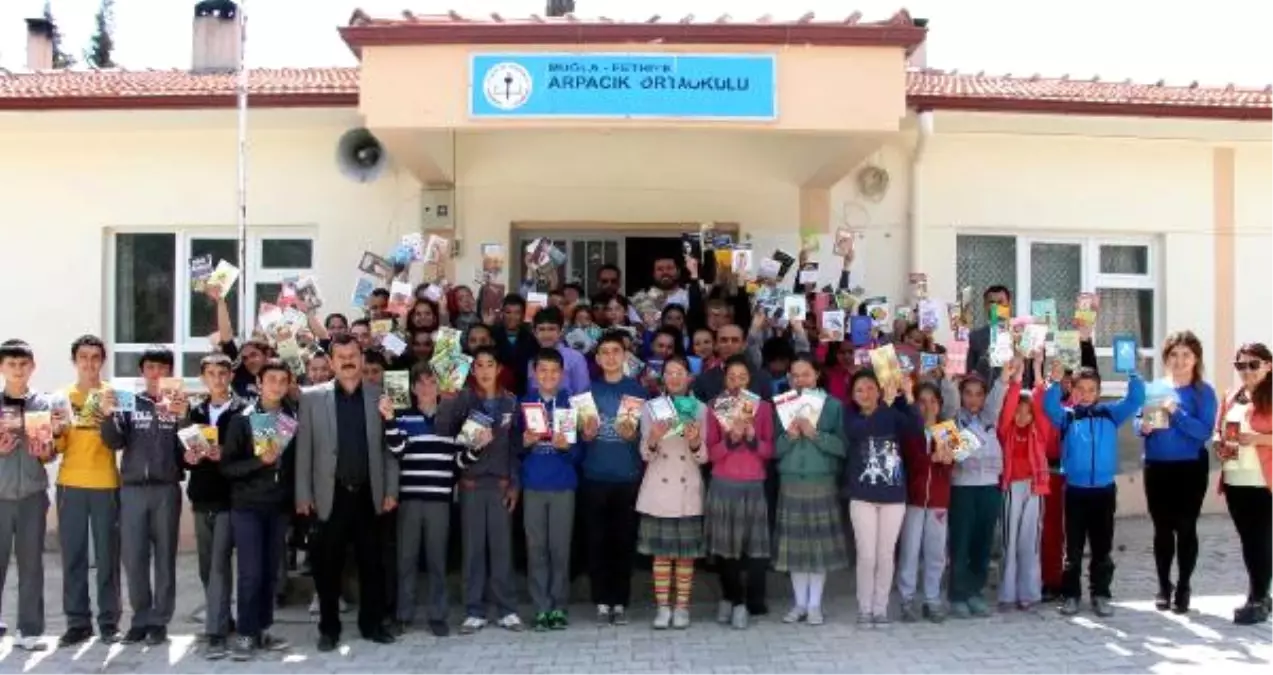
(747, 494)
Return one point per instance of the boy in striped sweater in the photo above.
(427, 465)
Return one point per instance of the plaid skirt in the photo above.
(671, 537)
(809, 534)
(737, 519)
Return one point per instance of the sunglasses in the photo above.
(1242, 366)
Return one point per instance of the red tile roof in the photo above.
(935, 89)
(334, 87)
(151, 89)
(898, 30)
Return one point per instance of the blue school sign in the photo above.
(683, 86)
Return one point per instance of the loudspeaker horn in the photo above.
(360, 156)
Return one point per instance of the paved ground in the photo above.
(1137, 639)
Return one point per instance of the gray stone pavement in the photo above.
(1137, 639)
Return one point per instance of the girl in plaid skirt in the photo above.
(810, 536)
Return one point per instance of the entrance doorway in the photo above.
(639, 256)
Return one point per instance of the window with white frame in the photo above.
(150, 301)
(1123, 272)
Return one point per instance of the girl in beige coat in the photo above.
(671, 500)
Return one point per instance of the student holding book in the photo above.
(875, 482)
(737, 527)
(427, 464)
(975, 497)
(1024, 437)
(551, 451)
(88, 504)
(1245, 438)
(1089, 456)
(611, 480)
(929, 462)
(808, 531)
(209, 493)
(489, 487)
(670, 502)
(150, 499)
(260, 462)
(24, 484)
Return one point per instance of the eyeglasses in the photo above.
(1242, 366)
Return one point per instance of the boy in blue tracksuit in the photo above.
(1089, 458)
(549, 479)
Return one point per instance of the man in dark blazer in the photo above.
(979, 339)
(346, 477)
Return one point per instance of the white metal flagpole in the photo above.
(242, 216)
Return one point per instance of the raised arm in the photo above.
(950, 398)
(995, 399)
(1132, 402)
(1052, 408)
(1009, 410)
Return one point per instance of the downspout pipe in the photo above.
(914, 189)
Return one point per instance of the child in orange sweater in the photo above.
(1024, 438)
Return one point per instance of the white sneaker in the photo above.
(680, 618)
(472, 625)
(662, 617)
(511, 622)
(31, 643)
(796, 615)
(815, 617)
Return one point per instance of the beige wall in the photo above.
(1253, 236)
(428, 87)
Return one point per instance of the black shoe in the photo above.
(110, 634)
(398, 628)
(157, 636)
(74, 636)
(1162, 601)
(135, 635)
(244, 648)
(217, 648)
(439, 628)
(1181, 604)
(328, 643)
(1251, 613)
(380, 637)
(1050, 595)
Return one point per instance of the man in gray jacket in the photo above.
(150, 495)
(24, 503)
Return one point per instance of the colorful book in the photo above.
(398, 388)
(794, 307)
(452, 371)
(844, 240)
(39, 426)
(271, 432)
(201, 268)
(223, 278)
(1085, 308)
(887, 367)
(585, 408)
(832, 326)
(493, 257)
(170, 389)
(399, 298)
(860, 330)
(1045, 311)
(1125, 354)
(536, 418)
(564, 423)
(194, 440)
(11, 418)
(362, 292)
(1068, 349)
(476, 422)
(661, 409)
(86, 415)
(957, 358)
(629, 410)
(125, 392)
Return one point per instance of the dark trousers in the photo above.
(1089, 518)
(86, 514)
(1251, 509)
(388, 524)
(258, 544)
(1052, 547)
(974, 513)
(1174, 492)
(610, 519)
(353, 521)
(734, 590)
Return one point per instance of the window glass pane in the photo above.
(145, 276)
(265, 292)
(1106, 365)
(190, 363)
(287, 253)
(578, 259)
(983, 261)
(1056, 273)
(203, 311)
(127, 364)
(1125, 311)
(1124, 259)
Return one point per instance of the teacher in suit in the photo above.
(346, 477)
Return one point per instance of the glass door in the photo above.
(585, 254)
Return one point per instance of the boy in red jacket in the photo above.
(924, 525)
(1025, 483)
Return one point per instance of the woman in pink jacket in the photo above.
(737, 523)
(671, 500)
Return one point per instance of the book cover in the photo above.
(1068, 349)
(887, 367)
(11, 418)
(399, 298)
(375, 266)
(86, 415)
(393, 343)
(1045, 312)
(170, 389)
(201, 268)
(1034, 338)
(860, 329)
(741, 261)
(437, 250)
(1125, 354)
(1002, 347)
(493, 260)
(629, 410)
(446, 340)
(362, 292)
(808, 274)
(223, 278)
(452, 371)
(632, 366)
(787, 405)
(929, 315)
(398, 388)
(832, 329)
(536, 418)
(381, 327)
(844, 241)
(125, 392)
(585, 407)
(877, 310)
(308, 294)
(476, 422)
(39, 426)
(661, 409)
(491, 296)
(957, 357)
(928, 363)
(564, 423)
(1085, 308)
(193, 439)
(794, 307)
(415, 242)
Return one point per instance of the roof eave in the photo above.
(1090, 108)
(181, 102)
(907, 37)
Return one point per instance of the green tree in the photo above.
(560, 7)
(102, 44)
(60, 58)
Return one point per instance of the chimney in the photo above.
(39, 44)
(918, 58)
(216, 46)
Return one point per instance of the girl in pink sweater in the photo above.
(737, 513)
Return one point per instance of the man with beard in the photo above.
(346, 476)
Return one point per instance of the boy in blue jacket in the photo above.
(549, 481)
(1089, 458)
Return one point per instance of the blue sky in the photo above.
(1215, 42)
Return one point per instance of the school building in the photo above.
(614, 138)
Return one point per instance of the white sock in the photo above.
(816, 581)
(800, 587)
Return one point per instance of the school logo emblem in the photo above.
(507, 86)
